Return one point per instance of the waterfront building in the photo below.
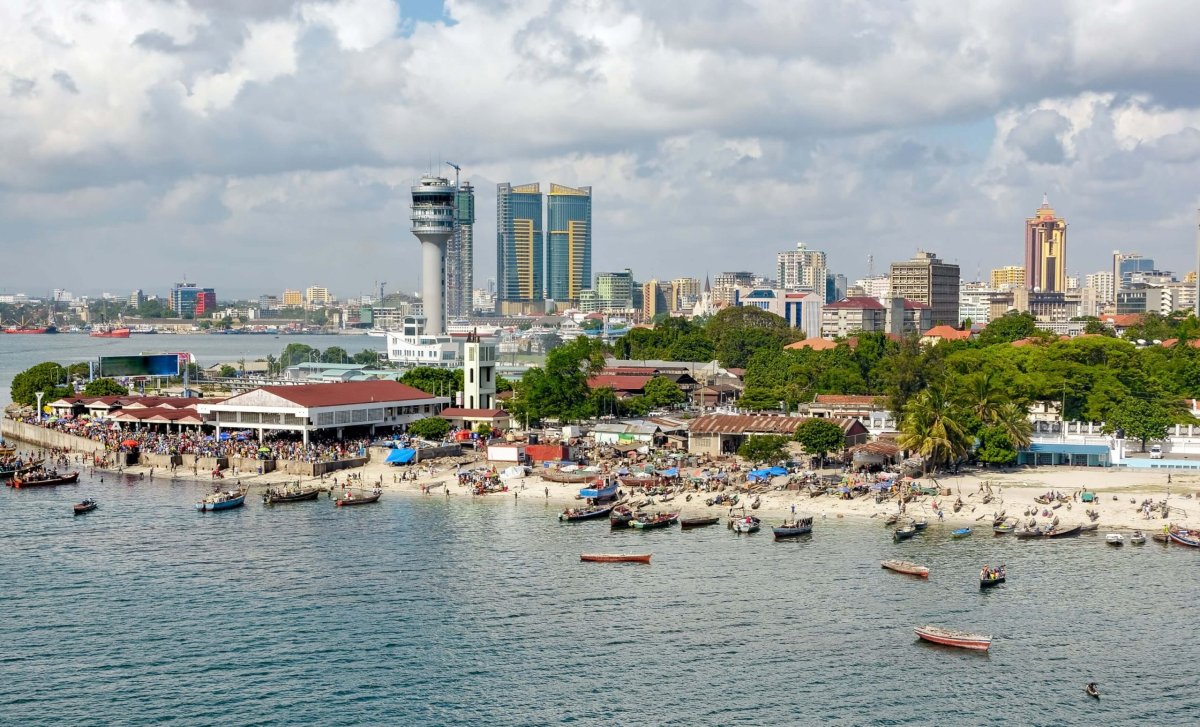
(268, 302)
(479, 373)
(317, 296)
(926, 279)
(1009, 276)
(724, 284)
(1046, 250)
(433, 211)
(190, 301)
(293, 299)
(519, 244)
(410, 346)
(568, 242)
(654, 300)
(801, 269)
(460, 255)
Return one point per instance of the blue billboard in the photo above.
(159, 364)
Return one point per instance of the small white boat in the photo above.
(747, 524)
(1114, 539)
(1138, 538)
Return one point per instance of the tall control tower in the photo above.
(433, 224)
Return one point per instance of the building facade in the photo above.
(293, 299)
(724, 284)
(568, 242)
(1009, 276)
(684, 294)
(1102, 283)
(1046, 251)
(479, 373)
(654, 300)
(614, 291)
(520, 286)
(317, 296)
(460, 254)
(190, 301)
(926, 279)
(801, 269)
(432, 216)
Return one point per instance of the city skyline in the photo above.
(198, 152)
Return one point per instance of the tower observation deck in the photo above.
(433, 225)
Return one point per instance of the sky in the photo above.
(257, 145)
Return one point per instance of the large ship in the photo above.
(110, 332)
(31, 330)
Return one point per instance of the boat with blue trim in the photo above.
(600, 490)
(223, 500)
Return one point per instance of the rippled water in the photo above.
(422, 610)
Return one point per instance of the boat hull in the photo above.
(906, 567)
(80, 509)
(358, 501)
(961, 533)
(66, 480)
(269, 499)
(985, 583)
(783, 533)
(589, 515)
(1184, 537)
(957, 639)
(600, 493)
(224, 505)
(698, 522)
(615, 558)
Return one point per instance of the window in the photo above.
(471, 376)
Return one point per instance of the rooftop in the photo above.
(351, 392)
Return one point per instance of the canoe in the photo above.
(49, 482)
(1092, 691)
(567, 478)
(1029, 533)
(571, 515)
(1003, 529)
(793, 528)
(698, 522)
(615, 558)
(953, 637)
(1190, 538)
(652, 522)
(620, 517)
(906, 567)
(920, 524)
(358, 500)
(641, 481)
(86, 506)
(992, 582)
(960, 533)
(276, 497)
(1069, 532)
(904, 533)
(222, 501)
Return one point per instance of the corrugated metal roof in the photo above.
(1067, 448)
(760, 424)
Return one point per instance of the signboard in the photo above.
(163, 364)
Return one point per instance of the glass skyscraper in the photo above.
(569, 244)
(460, 254)
(519, 243)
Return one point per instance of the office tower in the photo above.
(835, 287)
(654, 300)
(1007, 277)
(1046, 251)
(189, 301)
(519, 244)
(137, 298)
(1129, 266)
(433, 224)
(683, 293)
(317, 296)
(724, 284)
(615, 291)
(568, 242)
(801, 269)
(926, 279)
(293, 299)
(1102, 283)
(460, 254)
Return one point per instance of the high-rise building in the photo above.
(293, 299)
(874, 286)
(724, 283)
(1102, 283)
(1046, 251)
(137, 298)
(519, 243)
(926, 279)
(433, 201)
(615, 291)
(801, 269)
(568, 242)
(316, 296)
(835, 287)
(190, 301)
(975, 302)
(460, 254)
(1007, 277)
(654, 300)
(684, 294)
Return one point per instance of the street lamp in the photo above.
(40, 394)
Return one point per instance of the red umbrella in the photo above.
(129, 443)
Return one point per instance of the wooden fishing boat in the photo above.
(86, 506)
(993, 579)
(1114, 539)
(890, 520)
(960, 533)
(277, 496)
(575, 515)
(222, 501)
(600, 491)
(698, 522)
(793, 528)
(567, 478)
(920, 524)
(350, 499)
(1190, 538)
(1064, 533)
(1160, 537)
(621, 516)
(655, 521)
(1092, 690)
(7, 450)
(615, 557)
(953, 637)
(1003, 529)
(1138, 538)
(748, 524)
(13, 472)
(906, 567)
(1028, 533)
(633, 481)
(70, 479)
(903, 533)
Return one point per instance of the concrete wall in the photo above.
(428, 453)
(38, 436)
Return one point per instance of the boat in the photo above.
(1091, 690)
(600, 491)
(960, 533)
(890, 520)
(7, 450)
(615, 557)
(793, 528)
(567, 478)
(757, 501)
(992, 577)
(352, 499)
(903, 533)
(1064, 533)
(1003, 529)
(647, 521)
(575, 514)
(920, 524)
(19, 468)
(1138, 538)
(698, 522)
(746, 524)
(110, 332)
(953, 637)
(634, 481)
(1089, 528)
(70, 479)
(1163, 538)
(222, 501)
(31, 330)
(906, 567)
(1028, 533)
(621, 516)
(1190, 538)
(1114, 539)
(291, 493)
(86, 506)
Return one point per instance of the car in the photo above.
(1156, 451)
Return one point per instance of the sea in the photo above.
(19, 352)
(428, 610)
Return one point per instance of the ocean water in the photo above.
(435, 611)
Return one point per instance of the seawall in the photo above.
(48, 438)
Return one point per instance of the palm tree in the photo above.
(932, 427)
(984, 397)
(1013, 420)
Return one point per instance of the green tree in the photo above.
(738, 331)
(1009, 327)
(1095, 328)
(932, 427)
(764, 448)
(819, 437)
(296, 353)
(661, 391)
(1013, 420)
(560, 389)
(483, 429)
(334, 354)
(152, 309)
(995, 447)
(435, 381)
(433, 429)
(1141, 419)
(367, 357)
(48, 377)
(227, 371)
(104, 387)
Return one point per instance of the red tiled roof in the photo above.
(344, 394)
(1124, 320)
(856, 303)
(619, 383)
(848, 399)
(915, 305)
(947, 333)
(816, 344)
(461, 412)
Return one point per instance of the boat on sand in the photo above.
(953, 637)
(615, 557)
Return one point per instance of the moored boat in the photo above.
(567, 478)
(291, 493)
(1138, 538)
(110, 332)
(615, 557)
(621, 516)
(575, 514)
(86, 506)
(903, 532)
(698, 522)
(222, 501)
(648, 521)
(1114, 539)
(600, 490)
(953, 637)
(1003, 529)
(960, 533)
(1190, 538)
(634, 481)
(50, 481)
(1064, 532)
(793, 528)
(18, 468)
(747, 524)
(1028, 533)
(906, 567)
(920, 524)
(350, 498)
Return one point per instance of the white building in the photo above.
(800, 309)
(1102, 283)
(801, 269)
(411, 347)
(975, 302)
(479, 373)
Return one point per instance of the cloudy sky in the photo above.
(261, 144)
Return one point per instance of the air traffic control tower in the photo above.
(433, 224)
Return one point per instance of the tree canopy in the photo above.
(49, 378)
(434, 381)
(819, 437)
(434, 429)
(764, 448)
(104, 387)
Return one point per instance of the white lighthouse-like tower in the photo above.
(433, 225)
